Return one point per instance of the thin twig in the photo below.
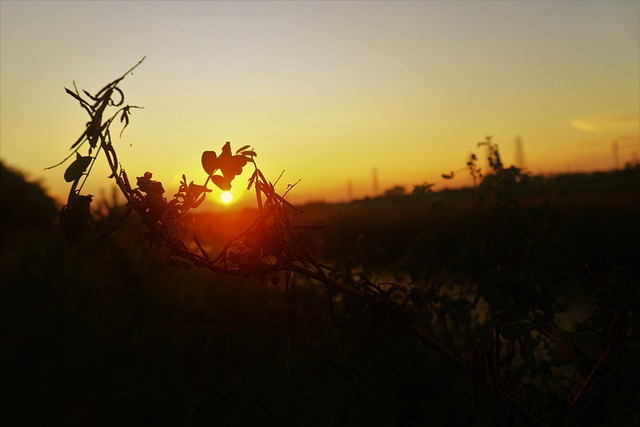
(602, 358)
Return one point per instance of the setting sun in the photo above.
(226, 197)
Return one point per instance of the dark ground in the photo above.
(108, 333)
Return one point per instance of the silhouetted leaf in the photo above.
(244, 147)
(221, 182)
(232, 166)
(447, 176)
(90, 96)
(76, 96)
(79, 140)
(77, 168)
(249, 153)
(210, 162)
(124, 118)
(226, 150)
(199, 201)
(251, 180)
(198, 189)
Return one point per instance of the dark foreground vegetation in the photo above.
(115, 333)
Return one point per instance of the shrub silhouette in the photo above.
(24, 204)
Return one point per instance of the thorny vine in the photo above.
(269, 246)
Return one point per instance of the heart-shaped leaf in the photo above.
(210, 162)
(221, 182)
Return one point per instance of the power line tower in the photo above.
(616, 155)
(520, 163)
(375, 181)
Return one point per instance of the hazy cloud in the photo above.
(596, 124)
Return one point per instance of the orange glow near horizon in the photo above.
(325, 91)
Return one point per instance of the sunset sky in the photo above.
(326, 91)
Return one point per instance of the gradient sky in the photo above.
(325, 90)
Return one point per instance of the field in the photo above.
(114, 332)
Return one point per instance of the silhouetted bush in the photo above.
(24, 204)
